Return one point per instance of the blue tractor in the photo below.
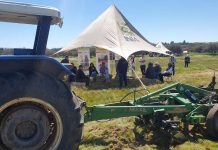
(38, 110)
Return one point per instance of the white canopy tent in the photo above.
(113, 32)
(162, 48)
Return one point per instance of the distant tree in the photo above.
(184, 42)
(213, 48)
(198, 49)
(175, 48)
(172, 42)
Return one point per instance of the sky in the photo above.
(156, 20)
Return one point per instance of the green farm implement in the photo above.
(166, 107)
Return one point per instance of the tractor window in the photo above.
(16, 36)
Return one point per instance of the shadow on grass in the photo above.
(114, 83)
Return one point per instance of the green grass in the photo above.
(118, 133)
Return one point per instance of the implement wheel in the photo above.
(38, 112)
(212, 122)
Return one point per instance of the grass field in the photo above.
(120, 134)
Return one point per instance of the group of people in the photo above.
(80, 76)
(153, 71)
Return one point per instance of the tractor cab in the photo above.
(42, 16)
(32, 59)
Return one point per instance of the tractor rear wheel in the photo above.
(212, 122)
(38, 112)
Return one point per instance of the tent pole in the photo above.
(139, 79)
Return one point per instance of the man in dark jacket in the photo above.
(122, 67)
(187, 60)
(65, 60)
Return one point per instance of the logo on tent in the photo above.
(127, 33)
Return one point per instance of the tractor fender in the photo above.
(35, 63)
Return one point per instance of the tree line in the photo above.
(176, 48)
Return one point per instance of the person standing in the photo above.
(122, 67)
(132, 62)
(173, 62)
(142, 64)
(187, 60)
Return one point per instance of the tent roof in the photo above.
(162, 48)
(113, 32)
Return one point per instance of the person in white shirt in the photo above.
(142, 64)
(168, 72)
(132, 62)
(173, 62)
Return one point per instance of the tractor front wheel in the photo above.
(38, 112)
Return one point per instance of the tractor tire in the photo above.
(212, 122)
(38, 112)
